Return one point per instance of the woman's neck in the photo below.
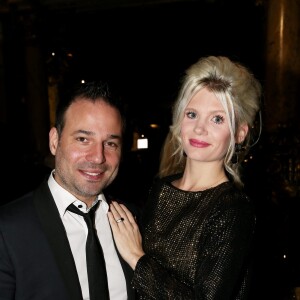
(199, 179)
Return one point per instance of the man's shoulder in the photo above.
(21, 206)
(16, 208)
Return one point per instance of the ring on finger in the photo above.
(120, 220)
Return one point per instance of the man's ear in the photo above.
(53, 140)
(242, 132)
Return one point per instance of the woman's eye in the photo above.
(218, 119)
(191, 114)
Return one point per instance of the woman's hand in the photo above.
(126, 233)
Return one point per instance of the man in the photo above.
(42, 243)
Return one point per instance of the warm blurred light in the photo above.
(154, 125)
(70, 55)
(53, 53)
(284, 256)
(82, 81)
(142, 143)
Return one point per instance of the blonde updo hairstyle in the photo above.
(239, 93)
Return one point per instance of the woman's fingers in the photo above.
(129, 215)
(118, 213)
(121, 213)
(126, 233)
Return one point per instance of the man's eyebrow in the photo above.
(87, 132)
(115, 136)
(91, 133)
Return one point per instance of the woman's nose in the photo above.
(200, 127)
(96, 154)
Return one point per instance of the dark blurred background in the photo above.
(143, 48)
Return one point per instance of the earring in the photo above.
(237, 149)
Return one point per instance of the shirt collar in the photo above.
(63, 198)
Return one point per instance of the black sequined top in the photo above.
(198, 244)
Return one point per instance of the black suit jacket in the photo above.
(36, 261)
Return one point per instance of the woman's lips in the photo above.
(198, 144)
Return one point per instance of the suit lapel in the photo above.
(56, 235)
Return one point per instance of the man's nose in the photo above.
(96, 154)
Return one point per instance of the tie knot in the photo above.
(89, 216)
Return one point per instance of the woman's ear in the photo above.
(242, 132)
(53, 140)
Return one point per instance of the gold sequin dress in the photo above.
(198, 244)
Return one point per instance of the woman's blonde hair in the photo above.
(238, 91)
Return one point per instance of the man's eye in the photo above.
(191, 114)
(111, 145)
(218, 119)
(81, 139)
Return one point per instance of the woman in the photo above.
(198, 223)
